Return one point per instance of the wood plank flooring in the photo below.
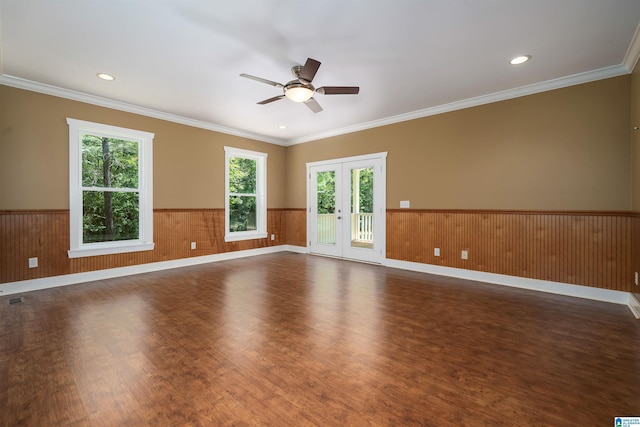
(297, 340)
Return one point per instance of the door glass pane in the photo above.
(361, 211)
(326, 202)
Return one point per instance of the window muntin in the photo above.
(110, 188)
(245, 194)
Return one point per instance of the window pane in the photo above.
(109, 216)
(109, 162)
(242, 213)
(242, 175)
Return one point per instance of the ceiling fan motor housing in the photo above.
(295, 70)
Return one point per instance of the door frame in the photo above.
(380, 202)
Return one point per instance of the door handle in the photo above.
(339, 217)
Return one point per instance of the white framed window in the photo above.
(110, 189)
(245, 194)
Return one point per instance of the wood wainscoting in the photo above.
(296, 220)
(596, 249)
(583, 248)
(45, 234)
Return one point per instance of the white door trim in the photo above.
(381, 155)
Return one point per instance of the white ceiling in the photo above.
(181, 59)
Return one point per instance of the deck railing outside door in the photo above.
(362, 227)
(326, 228)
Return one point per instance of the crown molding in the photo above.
(603, 73)
(130, 108)
(575, 79)
(633, 52)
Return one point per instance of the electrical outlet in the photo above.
(273, 237)
(465, 255)
(636, 277)
(436, 251)
(193, 245)
(405, 204)
(33, 262)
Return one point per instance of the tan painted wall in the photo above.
(566, 149)
(188, 162)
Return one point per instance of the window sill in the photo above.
(243, 235)
(110, 249)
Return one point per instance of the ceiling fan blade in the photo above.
(313, 105)
(338, 90)
(266, 101)
(309, 71)
(261, 80)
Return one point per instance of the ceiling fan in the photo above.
(300, 89)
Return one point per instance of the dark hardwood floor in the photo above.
(295, 340)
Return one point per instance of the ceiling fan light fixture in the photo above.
(298, 93)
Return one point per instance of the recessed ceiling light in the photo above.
(282, 127)
(105, 76)
(520, 59)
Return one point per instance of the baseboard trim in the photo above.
(634, 305)
(22, 286)
(605, 295)
(296, 249)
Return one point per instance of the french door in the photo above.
(346, 207)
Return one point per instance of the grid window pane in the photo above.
(242, 175)
(242, 213)
(110, 216)
(109, 162)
